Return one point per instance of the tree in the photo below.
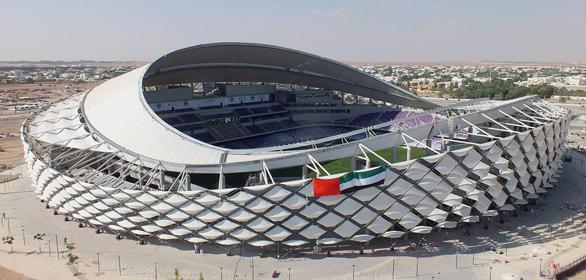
(9, 239)
(388, 71)
(177, 274)
(503, 90)
(72, 258)
(40, 238)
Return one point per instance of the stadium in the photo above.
(247, 144)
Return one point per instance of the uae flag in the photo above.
(349, 182)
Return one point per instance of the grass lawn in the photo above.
(343, 164)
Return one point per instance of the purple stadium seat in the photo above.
(242, 111)
(189, 118)
(172, 120)
(271, 126)
(259, 110)
(255, 129)
(205, 137)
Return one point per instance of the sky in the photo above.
(360, 31)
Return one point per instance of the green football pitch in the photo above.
(343, 164)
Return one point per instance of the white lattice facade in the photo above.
(73, 168)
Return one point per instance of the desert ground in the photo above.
(11, 153)
(11, 120)
(6, 274)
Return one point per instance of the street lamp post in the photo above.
(540, 262)
(289, 269)
(417, 267)
(353, 266)
(57, 245)
(221, 273)
(490, 273)
(252, 267)
(393, 272)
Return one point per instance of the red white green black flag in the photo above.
(348, 182)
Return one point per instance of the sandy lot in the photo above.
(6, 274)
(11, 121)
(11, 124)
(11, 153)
(10, 145)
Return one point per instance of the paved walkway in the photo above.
(521, 244)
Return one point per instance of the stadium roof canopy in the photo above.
(118, 112)
(246, 62)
